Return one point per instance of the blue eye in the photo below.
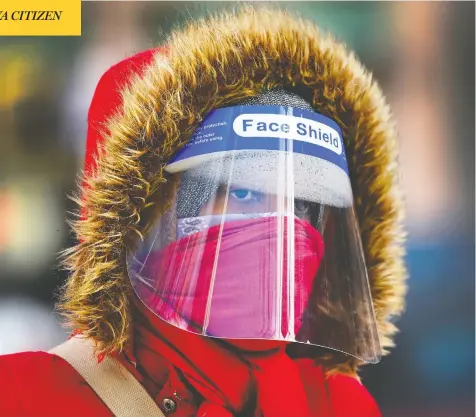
(245, 195)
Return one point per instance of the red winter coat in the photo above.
(38, 384)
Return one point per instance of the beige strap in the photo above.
(111, 381)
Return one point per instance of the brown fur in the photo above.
(212, 64)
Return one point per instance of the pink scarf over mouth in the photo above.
(234, 280)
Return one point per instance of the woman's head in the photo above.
(247, 249)
(154, 103)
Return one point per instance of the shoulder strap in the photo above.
(111, 381)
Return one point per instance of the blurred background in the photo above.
(422, 54)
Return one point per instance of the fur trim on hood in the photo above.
(152, 104)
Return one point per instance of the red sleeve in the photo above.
(38, 384)
(10, 399)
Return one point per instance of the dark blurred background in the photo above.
(423, 56)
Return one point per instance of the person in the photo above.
(240, 245)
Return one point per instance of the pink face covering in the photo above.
(233, 281)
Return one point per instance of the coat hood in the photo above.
(147, 107)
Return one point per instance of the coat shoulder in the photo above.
(337, 395)
(37, 384)
(350, 398)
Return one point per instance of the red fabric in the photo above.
(37, 384)
(223, 378)
(107, 100)
(245, 277)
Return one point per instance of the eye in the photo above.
(301, 207)
(243, 194)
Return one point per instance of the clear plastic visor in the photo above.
(256, 247)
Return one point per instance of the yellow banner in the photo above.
(40, 17)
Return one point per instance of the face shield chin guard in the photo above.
(261, 239)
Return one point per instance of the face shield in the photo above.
(261, 239)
